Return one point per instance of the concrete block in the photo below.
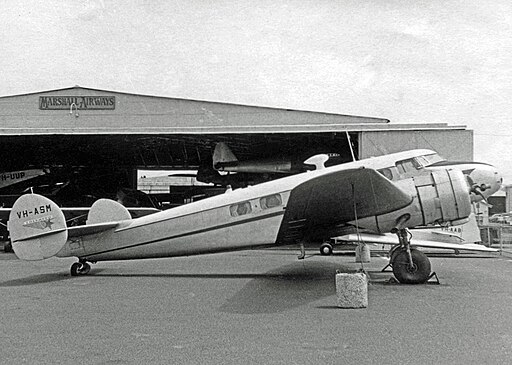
(352, 290)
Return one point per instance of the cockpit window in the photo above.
(433, 158)
(270, 201)
(417, 162)
(407, 165)
(421, 161)
(240, 209)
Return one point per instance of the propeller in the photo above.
(477, 189)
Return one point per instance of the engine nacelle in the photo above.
(439, 196)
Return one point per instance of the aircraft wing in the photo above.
(391, 239)
(334, 199)
(446, 234)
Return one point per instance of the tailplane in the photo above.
(222, 156)
(37, 227)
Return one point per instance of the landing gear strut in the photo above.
(80, 268)
(410, 266)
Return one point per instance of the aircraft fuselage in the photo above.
(238, 219)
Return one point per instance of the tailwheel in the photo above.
(326, 249)
(80, 268)
(417, 272)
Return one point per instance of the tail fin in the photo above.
(470, 233)
(106, 210)
(222, 155)
(37, 227)
(465, 233)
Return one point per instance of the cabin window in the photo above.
(240, 209)
(271, 201)
(407, 166)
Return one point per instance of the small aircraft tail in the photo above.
(37, 227)
(466, 233)
(223, 156)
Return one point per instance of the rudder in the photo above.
(106, 210)
(37, 227)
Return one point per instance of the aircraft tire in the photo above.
(404, 274)
(326, 249)
(75, 269)
(85, 268)
(79, 268)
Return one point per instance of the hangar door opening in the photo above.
(83, 168)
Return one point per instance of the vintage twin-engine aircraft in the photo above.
(307, 207)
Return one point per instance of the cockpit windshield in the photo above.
(410, 165)
(427, 160)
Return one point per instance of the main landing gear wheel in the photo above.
(326, 249)
(80, 268)
(405, 273)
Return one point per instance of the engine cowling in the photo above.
(439, 197)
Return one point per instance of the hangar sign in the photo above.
(81, 102)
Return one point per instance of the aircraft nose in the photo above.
(484, 180)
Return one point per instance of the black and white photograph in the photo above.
(255, 182)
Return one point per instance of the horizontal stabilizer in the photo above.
(37, 227)
(77, 231)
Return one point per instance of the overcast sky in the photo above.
(407, 61)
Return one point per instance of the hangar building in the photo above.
(100, 138)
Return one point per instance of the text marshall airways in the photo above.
(81, 102)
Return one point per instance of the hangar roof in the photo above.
(80, 110)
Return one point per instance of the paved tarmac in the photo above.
(252, 307)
